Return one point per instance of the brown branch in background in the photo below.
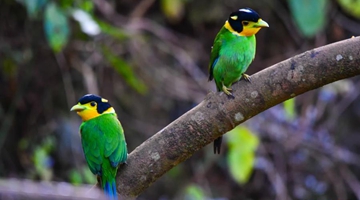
(141, 8)
(90, 79)
(69, 89)
(340, 108)
(217, 114)
(350, 179)
(274, 177)
(337, 182)
(347, 23)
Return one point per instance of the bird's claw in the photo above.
(247, 77)
(231, 96)
(227, 90)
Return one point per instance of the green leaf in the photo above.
(173, 9)
(175, 171)
(125, 70)
(33, 7)
(242, 138)
(194, 192)
(75, 177)
(88, 175)
(41, 159)
(241, 156)
(241, 165)
(309, 15)
(352, 7)
(56, 27)
(24, 143)
(87, 5)
(113, 31)
(289, 107)
(9, 67)
(65, 4)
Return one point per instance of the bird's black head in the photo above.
(246, 21)
(101, 104)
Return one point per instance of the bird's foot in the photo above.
(227, 90)
(247, 77)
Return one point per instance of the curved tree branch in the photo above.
(217, 114)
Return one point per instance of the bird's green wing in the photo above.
(215, 50)
(115, 144)
(91, 138)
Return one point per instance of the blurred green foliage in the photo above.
(352, 7)
(56, 27)
(82, 175)
(310, 15)
(241, 156)
(56, 18)
(85, 5)
(175, 172)
(194, 192)
(125, 70)
(290, 111)
(112, 31)
(9, 67)
(43, 162)
(75, 177)
(173, 9)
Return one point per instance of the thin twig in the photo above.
(274, 177)
(68, 87)
(141, 8)
(350, 179)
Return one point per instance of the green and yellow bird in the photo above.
(103, 140)
(232, 52)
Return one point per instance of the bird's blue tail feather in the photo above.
(110, 189)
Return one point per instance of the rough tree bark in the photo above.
(217, 114)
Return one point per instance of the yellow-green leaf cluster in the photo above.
(194, 192)
(352, 7)
(173, 9)
(289, 107)
(242, 145)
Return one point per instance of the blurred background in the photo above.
(149, 59)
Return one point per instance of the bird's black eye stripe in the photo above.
(245, 23)
(93, 103)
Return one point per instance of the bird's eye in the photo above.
(245, 23)
(93, 104)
